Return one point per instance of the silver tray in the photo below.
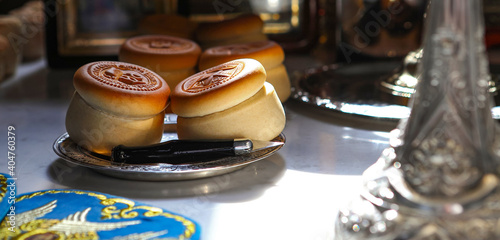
(68, 150)
(354, 90)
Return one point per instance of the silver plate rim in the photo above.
(69, 151)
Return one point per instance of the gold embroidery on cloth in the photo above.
(146, 235)
(128, 212)
(75, 226)
(3, 186)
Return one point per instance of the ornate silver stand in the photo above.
(440, 177)
(402, 83)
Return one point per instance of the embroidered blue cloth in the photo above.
(76, 214)
(7, 195)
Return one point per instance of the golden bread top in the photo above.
(165, 52)
(268, 53)
(124, 76)
(30, 13)
(4, 44)
(122, 88)
(237, 49)
(9, 23)
(166, 24)
(161, 44)
(218, 88)
(212, 77)
(241, 25)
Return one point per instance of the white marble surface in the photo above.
(293, 194)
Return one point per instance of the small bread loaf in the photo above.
(231, 100)
(242, 29)
(4, 45)
(218, 88)
(260, 117)
(10, 28)
(116, 103)
(164, 24)
(32, 16)
(269, 53)
(173, 58)
(278, 77)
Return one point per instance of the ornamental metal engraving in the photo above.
(439, 178)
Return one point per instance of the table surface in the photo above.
(294, 194)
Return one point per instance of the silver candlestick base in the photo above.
(402, 83)
(440, 177)
(388, 208)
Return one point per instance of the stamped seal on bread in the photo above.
(122, 89)
(160, 44)
(116, 103)
(218, 88)
(268, 53)
(126, 76)
(213, 77)
(231, 100)
(173, 58)
(163, 44)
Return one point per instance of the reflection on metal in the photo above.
(403, 82)
(353, 90)
(349, 89)
(378, 29)
(440, 177)
(279, 16)
(295, 13)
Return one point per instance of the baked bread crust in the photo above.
(4, 45)
(218, 88)
(11, 26)
(99, 132)
(246, 24)
(165, 24)
(260, 117)
(32, 15)
(160, 52)
(278, 77)
(254, 37)
(122, 89)
(268, 53)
